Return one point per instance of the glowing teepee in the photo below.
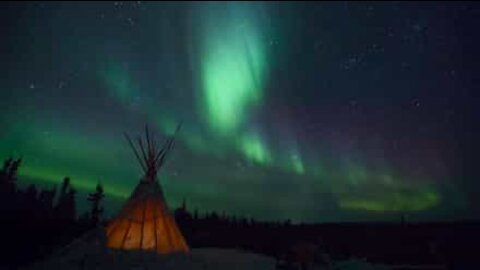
(145, 222)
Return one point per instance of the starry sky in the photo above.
(314, 112)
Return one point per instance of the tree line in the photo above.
(37, 220)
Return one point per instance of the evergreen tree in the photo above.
(8, 175)
(71, 210)
(96, 198)
(65, 209)
(195, 214)
(45, 199)
(5, 169)
(65, 186)
(12, 174)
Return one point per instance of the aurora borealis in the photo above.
(306, 111)
(233, 63)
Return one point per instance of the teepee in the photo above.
(145, 222)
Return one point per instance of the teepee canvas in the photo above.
(145, 221)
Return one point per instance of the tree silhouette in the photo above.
(65, 186)
(45, 222)
(8, 175)
(96, 198)
(13, 170)
(195, 214)
(71, 211)
(45, 199)
(65, 209)
(4, 171)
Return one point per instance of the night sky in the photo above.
(313, 112)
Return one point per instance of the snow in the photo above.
(355, 264)
(89, 252)
(198, 259)
(205, 258)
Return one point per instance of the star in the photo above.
(273, 42)
(417, 27)
(353, 103)
(131, 21)
(416, 103)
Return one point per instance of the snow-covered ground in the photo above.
(198, 259)
(201, 259)
(89, 252)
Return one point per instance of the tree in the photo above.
(96, 198)
(46, 198)
(8, 174)
(65, 186)
(71, 211)
(13, 170)
(4, 171)
(65, 208)
(195, 214)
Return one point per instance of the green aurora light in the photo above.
(227, 156)
(233, 66)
